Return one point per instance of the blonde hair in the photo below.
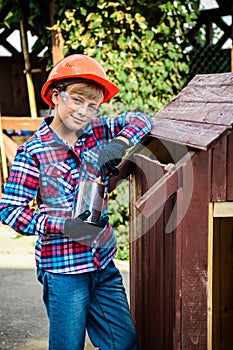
(89, 90)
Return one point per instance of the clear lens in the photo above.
(77, 103)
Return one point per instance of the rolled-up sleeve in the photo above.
(138, 125)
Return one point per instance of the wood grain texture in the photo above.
(200, 114)
(192, 134)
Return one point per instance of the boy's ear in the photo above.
(54, 96)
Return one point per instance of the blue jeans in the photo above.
(93, 301)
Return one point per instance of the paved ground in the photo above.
(23, 320)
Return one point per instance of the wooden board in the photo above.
(230, 168)
(219, 171)
(218, 94)
(213, 79)
(223, 209)
(195, 135)
(200, 114)
(21, 123)
(195, 260)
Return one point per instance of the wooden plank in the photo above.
(157, 195)
(219, 170)
(137, 296)
(202, 93)
(169, 277)
(230, 167)
(201, 112)
(195, 259)
(30, 85)
(147, 263)
(210, 278)
(217, 286)
(223, 209)
(196, 135)
(151, 281)
(21, 123)
(213, 79)
(126, 168)
(178, 280)
(10, 147)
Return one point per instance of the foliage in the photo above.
(139, 46)
(36, 16)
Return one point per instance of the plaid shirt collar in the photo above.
(48, 136)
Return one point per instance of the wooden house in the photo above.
(181, 198)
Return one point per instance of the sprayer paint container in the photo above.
(90, 197)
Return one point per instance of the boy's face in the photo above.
(74, 110)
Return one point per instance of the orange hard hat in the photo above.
(78, 66)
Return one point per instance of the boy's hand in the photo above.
(84, 232)
(110, 156)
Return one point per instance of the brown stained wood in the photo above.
(201, 112)
(133, 247)
(154, 260)
(169, 277)
(158, 194)
(155, 294)
(216, 332)
(229, 169)
(226, 283)
(195, 259)
(196, 135)
(178, 279)
(125, 169)
(136, 261)
(219, 169)
(210, 277)
(21, 123)
(213, 79)
(201, 93)
(146, 281)
(161, 190)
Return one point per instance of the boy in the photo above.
(82, 288)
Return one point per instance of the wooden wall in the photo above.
(13, 93)
(172, 272)
(222, 170)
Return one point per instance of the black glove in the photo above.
(84, 232)
(110, 156)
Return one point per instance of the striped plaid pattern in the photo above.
(49, 170)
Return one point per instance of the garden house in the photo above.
(181, 221)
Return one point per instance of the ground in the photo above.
(23, 320)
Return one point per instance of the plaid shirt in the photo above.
(48, 169)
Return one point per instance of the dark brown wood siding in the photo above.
(222, 170)
(169, 269)
(14, 96)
